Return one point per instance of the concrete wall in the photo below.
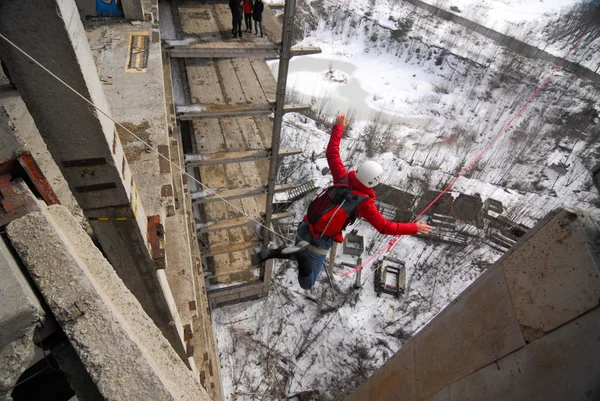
(527, 329)
(505, 40)
(123, 351)
(20, 314)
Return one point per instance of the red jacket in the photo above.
(367, 209)
(248, 5)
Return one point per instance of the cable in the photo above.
(138, 138)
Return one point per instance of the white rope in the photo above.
(138, 138)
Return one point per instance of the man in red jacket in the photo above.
(314, 240)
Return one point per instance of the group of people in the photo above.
(246, 10)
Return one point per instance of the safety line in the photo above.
(394, 241)
(138, 138)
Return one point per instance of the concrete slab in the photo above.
(19, 307)
(477, 328)
(562, 365)
(124, 352)
(396, 380)
(554, 276)
(137, 101)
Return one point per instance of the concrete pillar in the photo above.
(9, 144)
(82, 141)
(133, 9)
(20, 313)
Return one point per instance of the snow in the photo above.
(445, 93)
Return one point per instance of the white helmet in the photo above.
(369, 173)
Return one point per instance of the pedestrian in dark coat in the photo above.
(257, 12)
(238, 16)
(232, 5)
(248, 6)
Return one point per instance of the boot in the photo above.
(284, 252)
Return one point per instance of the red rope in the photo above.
(393, 242)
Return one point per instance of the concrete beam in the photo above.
(209, 195)
(9, 144)
(20, 313)
(177, 49)
(236, 157)
(121, 348)
(133, 9)
(196, 111)
(82, 141)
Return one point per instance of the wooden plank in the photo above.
(265, 77)
(265, 129)
(232, 134)
(263, 170)
(272, 27)
(209, 137)
(230, 84)
(213, 176)
(252, 137)
(229, 248)
(204, 81)
(222, 16)
(235, 179)
(197, 19)
(251, 87)
(251, 175)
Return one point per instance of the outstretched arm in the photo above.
(369, 212)
(338, 171)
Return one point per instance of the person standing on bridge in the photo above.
(350, 197)
(237, 12)
(248, 7)
(257, 12)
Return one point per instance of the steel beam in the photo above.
(235, 157)
(217, 195)
(234, 49)
(284, 63)
(198, 111)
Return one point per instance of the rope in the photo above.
(212, 192)
(394, 241)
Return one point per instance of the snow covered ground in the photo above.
(446, 94)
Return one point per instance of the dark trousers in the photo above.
(248, 18)
(233, 21)
(237, 27)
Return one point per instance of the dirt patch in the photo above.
(133, 146)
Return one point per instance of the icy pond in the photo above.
(341, 86)
(318, 79)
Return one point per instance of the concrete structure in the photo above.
(121, 348)
(527, 329)
(132, 9)
(20, 314)
(82, 141)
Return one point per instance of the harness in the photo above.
(333, 209)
